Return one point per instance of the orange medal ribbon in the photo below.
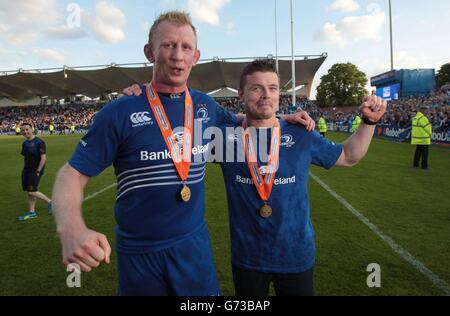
(263, 185)
(181, 160)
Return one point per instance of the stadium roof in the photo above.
(223, 93)
(208, 76)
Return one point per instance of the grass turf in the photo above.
(409, 205)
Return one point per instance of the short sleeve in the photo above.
(324, 153)
(42, 148)
(98, 148)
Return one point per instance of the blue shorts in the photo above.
(30, 181)
(185, 269)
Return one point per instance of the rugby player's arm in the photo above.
(67, 199)
(302, 118)
(41, 163)
(80, 245)
(356, 146)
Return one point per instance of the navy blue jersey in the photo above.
(283, 242)
(149, 214)
(32, 151)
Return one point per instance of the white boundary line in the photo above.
(99, 192)
(434, 278)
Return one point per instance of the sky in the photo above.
(49, 33)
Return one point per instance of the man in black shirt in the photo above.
(33, 150)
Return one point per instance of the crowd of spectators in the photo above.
(61, 116)
(81, 114)
(400, 112)
(233, 104)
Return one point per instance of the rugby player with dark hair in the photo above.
(34, 153)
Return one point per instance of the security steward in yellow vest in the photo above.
(421, 137)
(322, 126)
(356, 123)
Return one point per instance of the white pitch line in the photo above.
(434, 278)
(99, 192)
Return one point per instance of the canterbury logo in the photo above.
(140, 117)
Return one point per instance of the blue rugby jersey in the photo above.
(284, 242)
(149, 214)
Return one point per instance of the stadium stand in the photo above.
(41, 116)
(399, 112)
(217, 75)
(207, 76)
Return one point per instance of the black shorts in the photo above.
(30, 181)
(255, 283)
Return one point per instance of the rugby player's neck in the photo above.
(261, 123)
(31, 138)
(164, 88)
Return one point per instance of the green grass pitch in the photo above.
(409, 205)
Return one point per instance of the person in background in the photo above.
(322, 125)
(35, 157)
(421, 137)
(355, 123)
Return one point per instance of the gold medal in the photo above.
(262, 184)
(181, 159)
(265, 211)
(185, 193)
